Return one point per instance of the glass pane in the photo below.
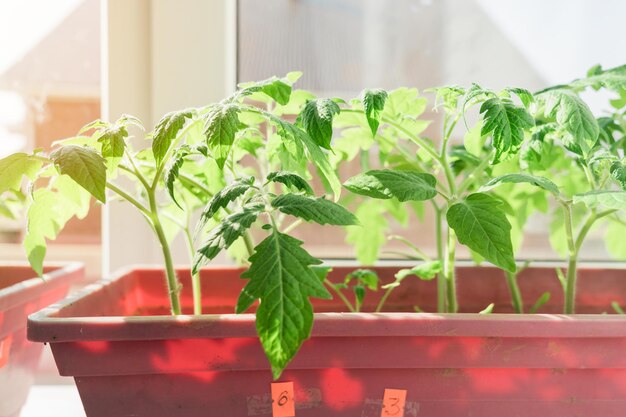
(49, 88)
(343, 46)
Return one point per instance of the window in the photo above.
(343, 46)
(50, 88)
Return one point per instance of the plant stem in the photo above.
(196, 285)
(421, 255)
(383, 300)
(570, 281)
(449, 271)
(340, 295)
(441, 278)
(516, 295)
(173, 284)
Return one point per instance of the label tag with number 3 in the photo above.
(393, 403)
(283, 402)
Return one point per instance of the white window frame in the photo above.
(158, 56)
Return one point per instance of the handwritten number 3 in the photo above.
(394, 407)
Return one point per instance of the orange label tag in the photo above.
(393, 403)
(5, 346)
(283, 401)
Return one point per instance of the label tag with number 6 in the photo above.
(283, 401)
(393, 403)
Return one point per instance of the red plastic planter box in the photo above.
(129, 361)
(23, 293)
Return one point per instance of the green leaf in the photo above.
(226, 233)
(84, 166)
(482, 226)
(573, 115)
(425, 271)
(113, 141)
(618, 172)
(315, 153)
(540, 182)
(373, 104)
(290, 180)
(544, 298)
(614, 240)
(524, 95)
(172, 171)
(506, 123)
(16, 166)
(487, 310)
(50, 210)
(319, 210)
(317, 119)
(607, 199)
(370, 237)
(367, 277)
(404, 102)
(612, 79)
(281, 277)
(165, 132)
(227, 195)
(220, 127)
(275, 88)
(387, 183)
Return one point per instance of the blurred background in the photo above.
(67, 62)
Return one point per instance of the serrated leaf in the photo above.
(113, 141)
(481, 225)
(367, 277)
(220, 127)
(387, 183)
(373, 104)
(317, 119)
(227, 195)
(524, 95)
(226, 233)
(315, 153)
(371, 235)
(165, 132)
(172, 171)
(281, 277)
(275, 88)
(613, 79)
(290, 180)
(425, 271)
(537, 181)
(319, 210)
(607, 199)
(618, 172)
(84, 166)
(573, 115)
(50, 210)
(506, 123)
(14, 167)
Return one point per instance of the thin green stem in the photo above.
(516, 295)
(441, 278)
(419, 141)
(126, 196)
(417, 250)
(340, 295)
(292, 226)
(467, 182)
(196, 285)
(383, 299)
(570, 280)
(449, 271)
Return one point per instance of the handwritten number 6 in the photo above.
(283, 398)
